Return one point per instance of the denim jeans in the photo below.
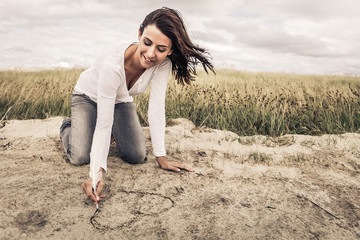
(77, 132)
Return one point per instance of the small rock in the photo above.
(202, 154)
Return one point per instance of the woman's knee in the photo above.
(80, 159)
(135, 157)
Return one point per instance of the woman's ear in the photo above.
(170, 52)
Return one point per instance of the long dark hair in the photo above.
(185, 55)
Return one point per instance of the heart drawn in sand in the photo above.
(127, 207)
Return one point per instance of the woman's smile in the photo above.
(148, 59)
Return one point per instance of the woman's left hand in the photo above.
(172, 166)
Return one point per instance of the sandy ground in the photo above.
(290, 187)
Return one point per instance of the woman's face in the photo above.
(154, 46)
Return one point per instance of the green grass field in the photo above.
(245, 103)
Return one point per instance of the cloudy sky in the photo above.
(294, 36)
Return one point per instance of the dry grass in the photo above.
(245, 103)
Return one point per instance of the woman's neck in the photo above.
(131, 59)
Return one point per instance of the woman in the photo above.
(102, 101)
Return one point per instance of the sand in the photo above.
(259, 187)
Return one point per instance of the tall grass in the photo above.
(36, 94)
(242, 102)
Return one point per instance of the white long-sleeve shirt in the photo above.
(105, 83)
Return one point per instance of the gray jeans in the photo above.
(77, 132)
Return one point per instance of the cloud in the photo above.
(309, 9)
(278, 40)
(258, 35)
(304, 37)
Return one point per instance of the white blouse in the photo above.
(105, 83)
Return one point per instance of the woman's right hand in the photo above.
(87, 187)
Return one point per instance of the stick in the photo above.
(94, 187)
(331, 214)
